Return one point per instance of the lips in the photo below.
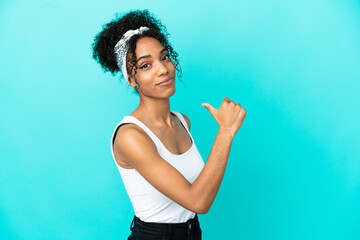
(164, 81)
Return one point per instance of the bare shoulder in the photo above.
(128, 138)
(187, 120)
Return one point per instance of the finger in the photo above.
(210, 108)
(242, 113)
(226, 99)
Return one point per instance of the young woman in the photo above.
(164, 175)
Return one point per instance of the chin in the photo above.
(172, 92)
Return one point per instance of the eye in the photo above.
(143, 66)
(167, 55)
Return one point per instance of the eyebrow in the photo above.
(149, 56)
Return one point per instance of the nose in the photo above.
(162, 69)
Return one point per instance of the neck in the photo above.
(156, 112)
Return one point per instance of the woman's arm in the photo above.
(207, 184)
(135, 147)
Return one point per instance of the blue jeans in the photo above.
(189, 230)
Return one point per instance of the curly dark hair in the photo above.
(105, 41)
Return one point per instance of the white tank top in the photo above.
(148, 203)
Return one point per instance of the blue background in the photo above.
(294, 167)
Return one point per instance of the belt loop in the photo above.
(190, 228)
(168, 232)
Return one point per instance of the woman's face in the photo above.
(153, 66)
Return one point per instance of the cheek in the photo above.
(171, 65)
(146, 77)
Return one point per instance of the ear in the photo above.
(132, 81)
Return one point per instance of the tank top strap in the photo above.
(131, 119)
(182, 119)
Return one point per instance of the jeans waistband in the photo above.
(151, 227)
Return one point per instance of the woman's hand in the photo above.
(229, 116)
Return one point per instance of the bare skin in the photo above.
(133, 147)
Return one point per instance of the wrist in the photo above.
(227, 132)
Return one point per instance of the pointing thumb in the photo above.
(209, 107)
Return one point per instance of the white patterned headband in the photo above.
(122, 47)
